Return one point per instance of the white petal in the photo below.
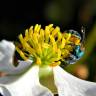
(6, 53)
(26, 85)
(6, 59)
(69, 85)
(22, 66)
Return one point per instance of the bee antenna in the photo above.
(83, 33)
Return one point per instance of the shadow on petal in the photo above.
(91, 92)
(41, 91)
(69, 85)
(4, 92)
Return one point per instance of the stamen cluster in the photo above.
(47, 46)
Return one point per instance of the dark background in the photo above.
(15, 17)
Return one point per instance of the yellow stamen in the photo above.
(38, 61)
(31, 32)
(21, 54)
(50, 26)
(63, 43)
(55, 31)
(67, 36)
(38, 49)
(26, 35)
(59, 36)
(52, 40)
(41, 38)
(59, 53)
(45, 45)
(47, 34)
(22, 40)
(35, 38)
(29, 49)
(26, 46)
(36, 27)
(55, 64)
(51, 29)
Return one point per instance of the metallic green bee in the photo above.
(78, 50)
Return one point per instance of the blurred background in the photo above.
(68, 14)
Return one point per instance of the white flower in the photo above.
(23, 80)
(16, 84)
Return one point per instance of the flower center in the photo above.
(48, 46)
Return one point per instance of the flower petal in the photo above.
(6, 59)
(24, 85)
(69, 85)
